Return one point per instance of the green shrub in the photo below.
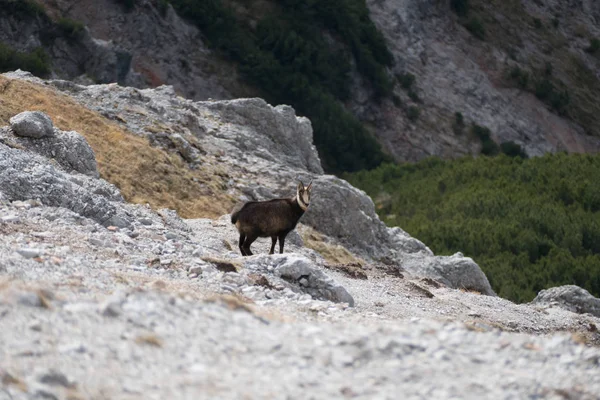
(163, 6)
(71, 29)
(519, 76)
(475, 26)
(406, 80)
(29, 8)
(546, 91)
(413, 113)
(460, 7)
(512, 149)
(458, 126)
(37, 62)
(128, 4)
(594, 47)
(529, 223)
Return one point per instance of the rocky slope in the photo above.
(454, 71)
(101, 298)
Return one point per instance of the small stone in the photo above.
(165, 262)
(171, 236)
(196, 270)
(228, 288)
(29, 252)
(11, 219)
(303, 282)
(133, 234)
(30, 299)
(193, 276)
(96, 242)
(112, 309)
(36, 326)
(112, 228)
(55, 378)
(146, 221)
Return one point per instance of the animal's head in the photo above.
(303, 195)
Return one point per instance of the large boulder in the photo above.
(569, 297)
(455, 271)
(69, 149)
(267, 131)
(34, 124)
(25, 175)
(347, 214)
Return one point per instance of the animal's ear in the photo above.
(300, 186)
(309, 187)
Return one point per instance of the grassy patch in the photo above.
(332, 253)
(71, 29)
(143, 173)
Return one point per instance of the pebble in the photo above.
(146, 221)
(29, 299)
(228, 288)
(197, 270)
(11, 219)
(30, 252)
(171, 236)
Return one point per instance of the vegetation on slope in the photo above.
(543, 57)
(529, 223)
(300, 53)
(37, 62)
(143, 173)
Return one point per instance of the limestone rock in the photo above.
(34, 124)
(69, 149)
(570, 297)
(281, 133)
(456, 271)
(300, 272)
(25, 175)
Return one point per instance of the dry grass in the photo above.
(11, 380)
(149, 339)
(143, 173)
(224, 265)
(332, 253)
(232, 302)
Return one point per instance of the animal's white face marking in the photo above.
(303, 195)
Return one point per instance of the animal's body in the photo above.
(273, 218)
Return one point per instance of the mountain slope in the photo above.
(167, 308)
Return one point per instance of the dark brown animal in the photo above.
(273, 218)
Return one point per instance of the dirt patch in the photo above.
(353, 270)
(222, 265)
(331, 252)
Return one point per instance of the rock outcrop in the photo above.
(58, 170)
(265, 150)
(569, 297)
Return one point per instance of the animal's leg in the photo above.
(281, 242)
(273, 241)
(241, 243)
(249, 240)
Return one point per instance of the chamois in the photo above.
(273, 218)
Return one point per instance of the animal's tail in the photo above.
(234, 217)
